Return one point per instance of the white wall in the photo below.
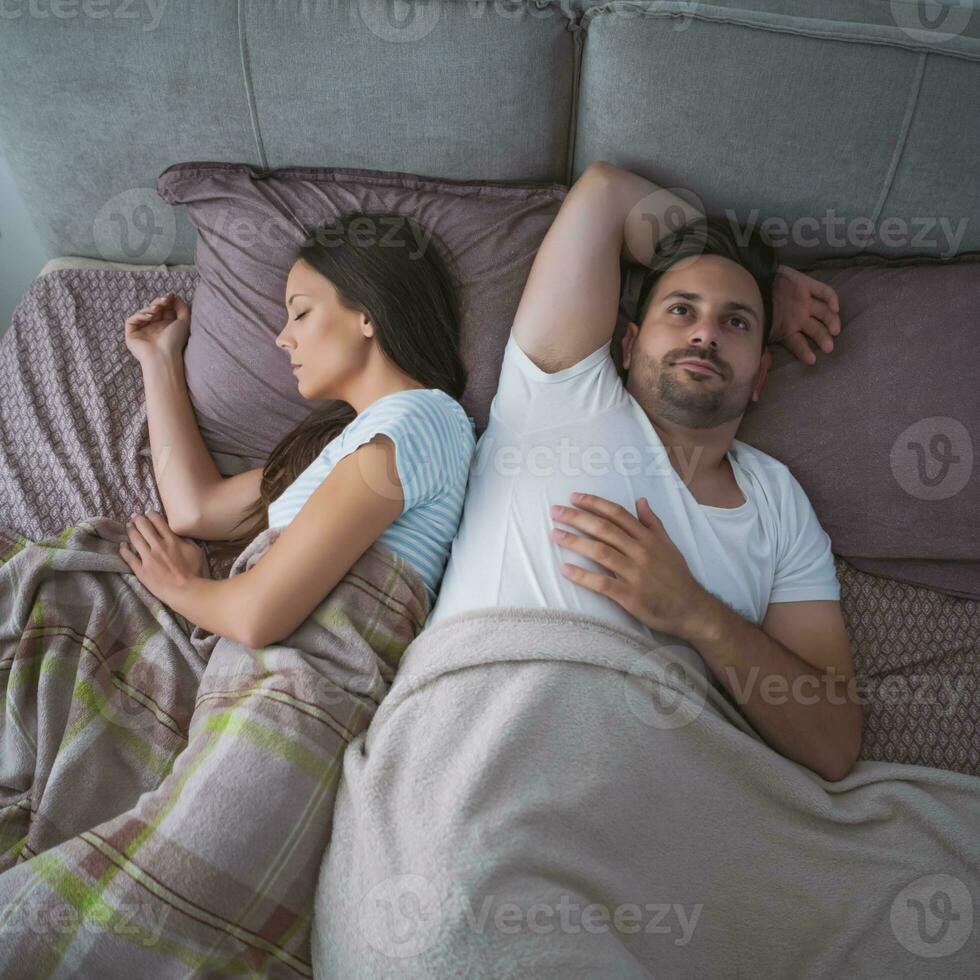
(21, 254)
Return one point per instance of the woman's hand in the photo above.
(159, 330)
(163, 561)
(802, 305)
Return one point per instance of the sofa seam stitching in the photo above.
(249, 90)
(711, 17)
(578, 40)
(903, 136)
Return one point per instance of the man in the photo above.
(683, 529)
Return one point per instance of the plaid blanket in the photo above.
(166, 795)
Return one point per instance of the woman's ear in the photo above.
(367, 327)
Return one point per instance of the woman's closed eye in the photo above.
(299, 316)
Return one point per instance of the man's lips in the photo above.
(694, 364)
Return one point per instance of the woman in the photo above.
(371, 325)
(192, 844)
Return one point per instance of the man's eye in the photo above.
(677, 306)
(738, 319)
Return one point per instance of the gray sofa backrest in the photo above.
(850, 124)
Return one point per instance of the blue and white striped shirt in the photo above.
(434, 444)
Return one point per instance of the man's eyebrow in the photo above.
(291, 298)
(694, 297)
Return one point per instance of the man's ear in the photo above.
(629, 338)
(765, 362)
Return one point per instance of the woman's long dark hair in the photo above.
(378, 267)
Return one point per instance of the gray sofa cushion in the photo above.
(457, 90)
(467, 91)
(240, 383)
(815, 116)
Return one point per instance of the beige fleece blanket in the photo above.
(544, 795)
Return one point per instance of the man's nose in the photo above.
(705, 333)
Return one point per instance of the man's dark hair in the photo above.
(713, 236)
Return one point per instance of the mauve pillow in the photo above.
(881, 433)
(248, 224)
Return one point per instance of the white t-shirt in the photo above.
(579, 429)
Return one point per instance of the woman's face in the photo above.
(330, 344)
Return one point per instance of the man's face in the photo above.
(707, 308)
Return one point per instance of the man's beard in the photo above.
(664, 393)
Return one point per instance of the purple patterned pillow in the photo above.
(248, 224)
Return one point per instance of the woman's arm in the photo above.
(197, 499)
(184, 470)
(343, 517)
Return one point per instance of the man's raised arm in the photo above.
(571, 298)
